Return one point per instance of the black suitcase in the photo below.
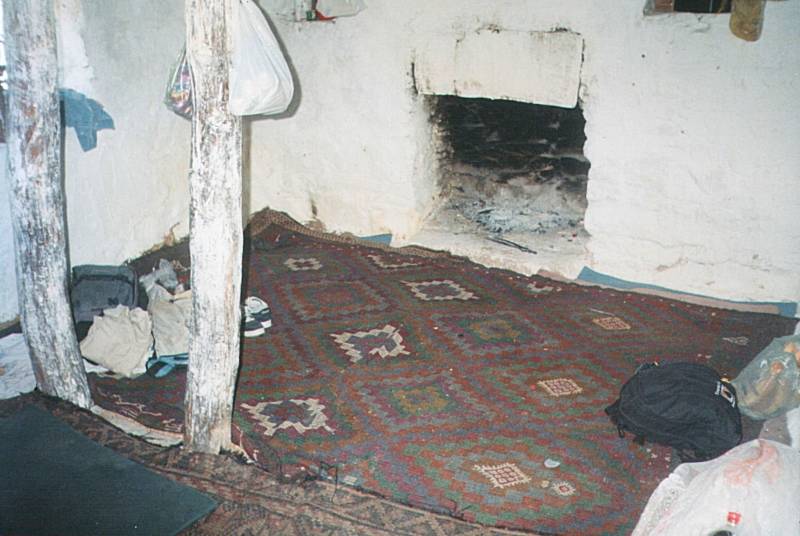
(95, 288)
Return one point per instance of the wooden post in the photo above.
(215, 211)
(37, 200)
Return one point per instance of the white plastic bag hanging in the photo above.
(260, 81)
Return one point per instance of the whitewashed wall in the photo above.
(692, 133)
(693, 138)
(123, 196)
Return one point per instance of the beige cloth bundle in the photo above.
(121, 340)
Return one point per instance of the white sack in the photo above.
(171, 316)
(757, 483)
(260, 81)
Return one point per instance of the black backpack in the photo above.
(683, 405)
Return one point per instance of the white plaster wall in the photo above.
(692, 134)
(693, 139)
(468, 66)
(351, 149)
(125, 195)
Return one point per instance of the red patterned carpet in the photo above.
(442, 384)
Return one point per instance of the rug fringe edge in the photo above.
(137, 429)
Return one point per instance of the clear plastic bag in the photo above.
(750, 490)
(770, 385)
(178, 96)
(260, 80)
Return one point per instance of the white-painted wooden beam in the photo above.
(215, 184)
(37, 200)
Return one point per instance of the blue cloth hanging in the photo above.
(86, 116)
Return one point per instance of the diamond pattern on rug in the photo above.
(503, 475)
(298, 263)
(592, 495)
(627, 323)
(412, 427)
(611, 323)
(439, 290)
(491, 334)
(655, 317)
(299, 415)
(392, 262)
(302, 264)
(560, 387)
(419, 402)
(348, 438)
(538, 287)
(563, 488)
(512, 387)
(738, 341)
(382, 342)
(317, 300)
(322, 341)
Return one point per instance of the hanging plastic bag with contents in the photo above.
(770, 385)
(260, 80)
(178, 96)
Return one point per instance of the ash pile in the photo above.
(512, 167)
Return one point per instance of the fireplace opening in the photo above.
(513, 174)
(512, 167)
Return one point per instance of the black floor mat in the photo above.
(54, 480)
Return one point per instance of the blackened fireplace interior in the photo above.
(512, 168)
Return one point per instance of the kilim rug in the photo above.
(251, 502)
(446, 385)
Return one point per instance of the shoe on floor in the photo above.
(257, 316)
